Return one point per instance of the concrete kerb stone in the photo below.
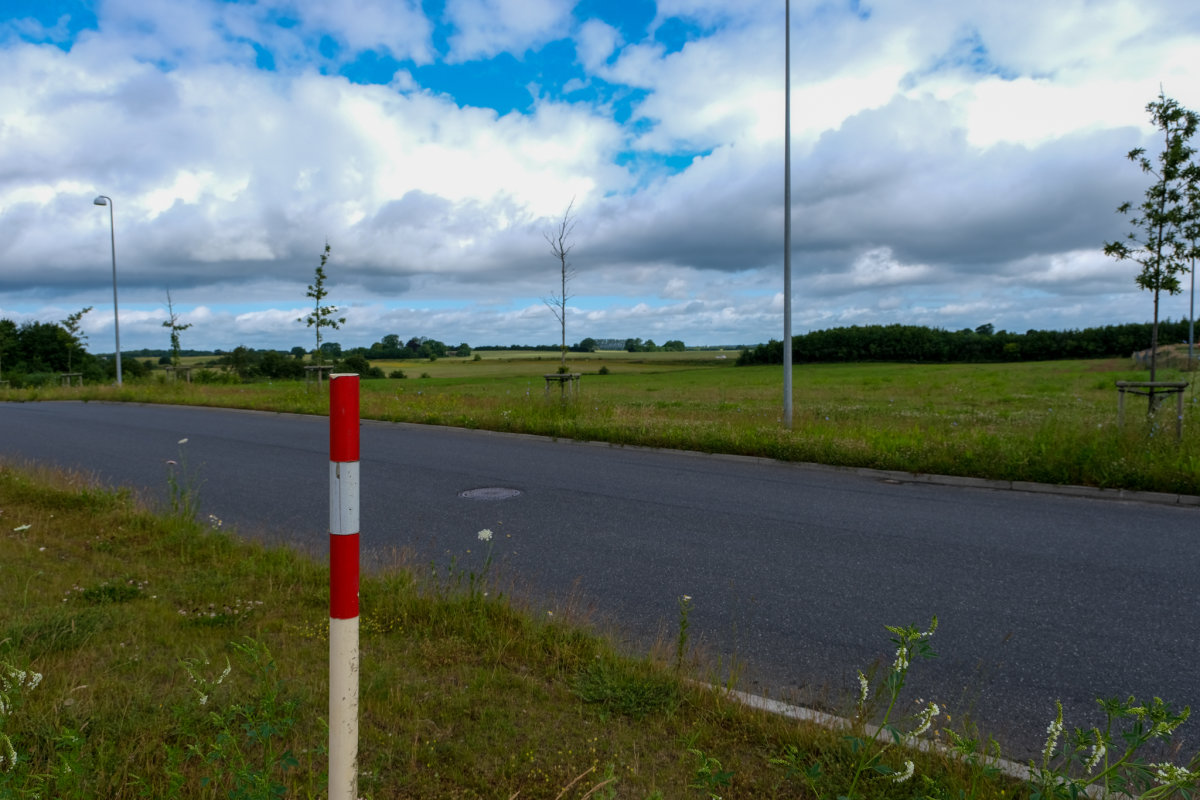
(779, 708)
(1066, 489)
(1151, 497)
(1012, 769)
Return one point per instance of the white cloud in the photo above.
(595, 43)
(484, 28)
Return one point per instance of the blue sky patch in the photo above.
(631, 17)
(674, 33)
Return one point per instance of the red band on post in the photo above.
(343, 418)
(343, 576)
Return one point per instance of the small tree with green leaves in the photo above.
(1158, 241)
(172, 322)
(75, 331)
(321, 316)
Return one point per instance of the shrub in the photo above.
(211, 376)
(397, 373)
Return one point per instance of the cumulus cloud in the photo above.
(484, 28)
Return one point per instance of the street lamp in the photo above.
(787, 214)
(105, 200)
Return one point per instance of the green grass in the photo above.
(1052, 422)
(133, 617)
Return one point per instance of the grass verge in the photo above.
(180, 661)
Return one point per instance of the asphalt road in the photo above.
(793, 570)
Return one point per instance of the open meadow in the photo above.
(1052, 422)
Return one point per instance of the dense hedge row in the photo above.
(913, 343)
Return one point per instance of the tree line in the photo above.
(47, 349)
(919, 344)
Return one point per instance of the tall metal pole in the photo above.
(1192, 319)
(787, 214)
(105, 200)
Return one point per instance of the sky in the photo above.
(954, 163)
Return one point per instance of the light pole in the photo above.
(105, 200)
(787, 214)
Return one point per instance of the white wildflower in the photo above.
(685, 598)
(20, 528)
(1053, 731)
(1172, 773)
(182, 441)
(863, 689)
(926, 718)
(485, 535)
(1098, 751)
(8, 756)
(901, 662)
(901, 777)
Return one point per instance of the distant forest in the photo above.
(913, 343)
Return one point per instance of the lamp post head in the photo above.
(100, 201)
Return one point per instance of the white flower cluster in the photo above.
(485, 535)
(1053, 731)
(1172, 773)
(8, 755)
(206, 686)
(12, 680)
(926, 718)
(901, 777)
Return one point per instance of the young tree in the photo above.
(1157, 242)
(176, 329)
(321, 316)
(78, 337)
(560, 247)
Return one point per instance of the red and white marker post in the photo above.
(343, 587)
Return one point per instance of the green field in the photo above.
(1051, 422)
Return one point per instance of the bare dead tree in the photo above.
(561, 247)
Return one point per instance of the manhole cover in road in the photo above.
(490, 493)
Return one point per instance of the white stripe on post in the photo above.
(343, 587)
